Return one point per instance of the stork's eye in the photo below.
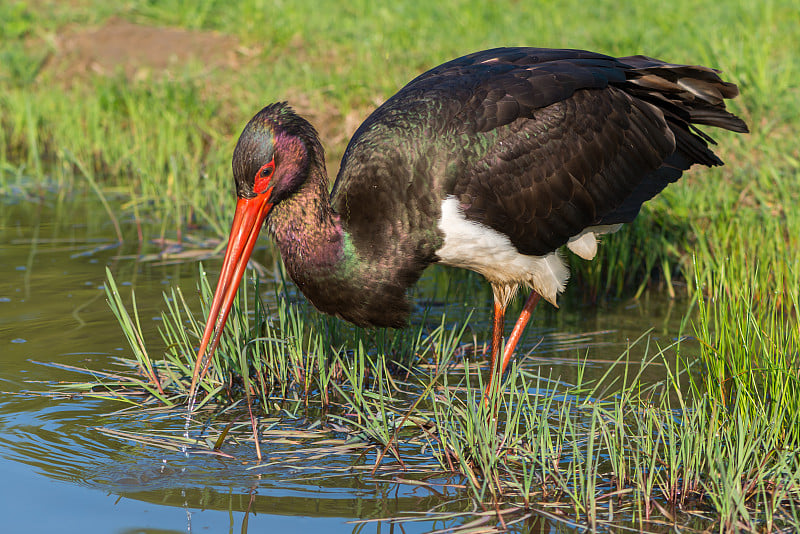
(263, 177)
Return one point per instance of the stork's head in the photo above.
(272, 159)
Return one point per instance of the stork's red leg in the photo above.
(513, 339)
(497, 330)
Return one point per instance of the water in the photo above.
(62, 472)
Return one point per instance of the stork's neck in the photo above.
(308, 232)
(325, 263)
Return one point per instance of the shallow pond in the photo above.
(61, 473)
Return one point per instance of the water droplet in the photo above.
(19, 340)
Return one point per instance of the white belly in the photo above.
(471, 245)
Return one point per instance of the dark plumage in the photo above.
(528, 132)
(490, 162)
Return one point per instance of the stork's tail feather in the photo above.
(691, 94)
(687, 96)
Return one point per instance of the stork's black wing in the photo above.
(537, 144)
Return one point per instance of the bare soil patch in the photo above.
(143, 53)
(139, 52)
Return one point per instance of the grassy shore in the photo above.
(126, 122)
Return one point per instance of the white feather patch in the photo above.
(584, 245)
(471, 245)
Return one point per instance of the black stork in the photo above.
(490, 162)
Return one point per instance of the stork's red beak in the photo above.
(247, 222)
